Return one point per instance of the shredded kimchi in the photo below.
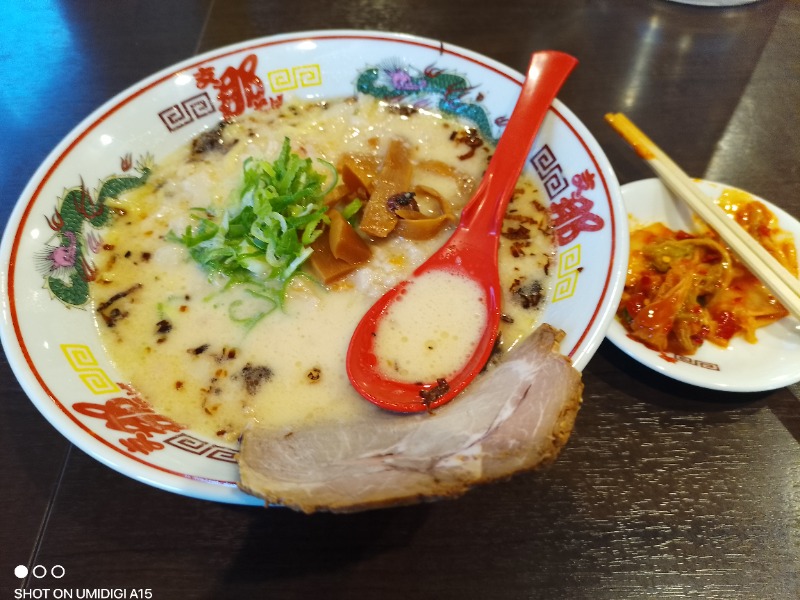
(683, 289)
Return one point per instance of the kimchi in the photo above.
(683, 289)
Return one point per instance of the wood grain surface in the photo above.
(664, 490)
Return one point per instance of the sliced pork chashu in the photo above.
(515, 417)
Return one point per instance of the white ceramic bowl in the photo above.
(48, 333)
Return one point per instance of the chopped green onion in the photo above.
(352, 208)
(262, 239)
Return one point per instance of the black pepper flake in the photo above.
(212, 141)
(404, 110)
(432, 394)
(163, 326)
(529, 296)
(111, 317)
(253, 376)
(402, 200)
(198, 350)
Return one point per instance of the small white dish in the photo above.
(772, 362)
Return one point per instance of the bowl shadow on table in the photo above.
(623, 373)
(283, 544)
(325, 554)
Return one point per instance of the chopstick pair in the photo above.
(784, 285)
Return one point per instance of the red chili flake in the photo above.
(470, 138)
(517, 233)
(518, 249)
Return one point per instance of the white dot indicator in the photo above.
(21, 571)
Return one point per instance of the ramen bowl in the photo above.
(48, 331)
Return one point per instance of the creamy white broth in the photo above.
(167, 327)
(429, 335)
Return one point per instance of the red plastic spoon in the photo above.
(471, 252)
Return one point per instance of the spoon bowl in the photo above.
(470, 253)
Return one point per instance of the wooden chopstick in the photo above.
(784, 285)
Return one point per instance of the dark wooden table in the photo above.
(664, 491)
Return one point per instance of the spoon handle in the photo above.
(546, 73)
(471, 252)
